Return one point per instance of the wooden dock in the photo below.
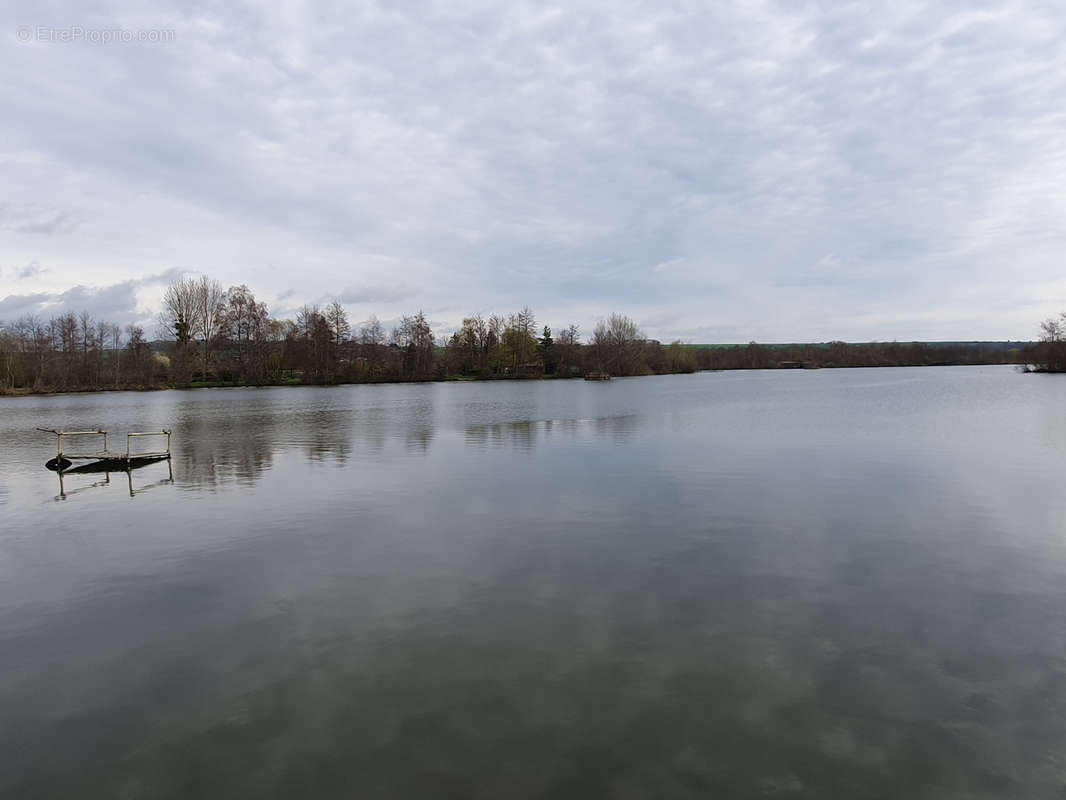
(104, 457)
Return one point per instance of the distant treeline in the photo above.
(872, 354)
(212, 336)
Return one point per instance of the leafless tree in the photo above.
(371, 342)
(211, 317)
(178, 322)
(414, 337)
(139, 362)
(616, 343)
(567, 349)
(1051, 352)
(340, 330)
(520, 339)
(7, 358)
(244, 326)
(115, 334)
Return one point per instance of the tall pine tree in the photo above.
(545, 348)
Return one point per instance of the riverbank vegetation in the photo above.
(208, 336)
(1049, 354)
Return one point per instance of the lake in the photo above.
(834, 583)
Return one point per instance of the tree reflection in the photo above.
(522, 435)
(216, 449)
(237, 444)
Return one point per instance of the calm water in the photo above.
(771, 584)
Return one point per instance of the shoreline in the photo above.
(23, 392)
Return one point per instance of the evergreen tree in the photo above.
(545, 348)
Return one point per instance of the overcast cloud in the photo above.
(719, 171)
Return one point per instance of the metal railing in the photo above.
(61, 434)
(129, 439)
(105, 453)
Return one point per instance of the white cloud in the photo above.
(763, 170)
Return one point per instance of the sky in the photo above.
(718, 171)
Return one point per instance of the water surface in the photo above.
(750, 584)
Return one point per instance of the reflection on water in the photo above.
(65, 492)
(217, 448)
(800, 584)
(523, 435)
(66, 477)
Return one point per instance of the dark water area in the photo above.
(846, 583)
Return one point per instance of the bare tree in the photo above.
(616, 343)
(241, 318)
(115, 333)
(338, 322)
(340, 330)
(139, 366)
(65, 335)
(470, 346)
(371, 340)
(179, 321)
(306, 319)
(8, 350)
(497, 356)
(520, 339)
(414, 337)
(1051, 352)
(87, 345)
(32, 339)
(567, 349)
(248, 331)
(179, 318)
(211, 317)
(194, 309)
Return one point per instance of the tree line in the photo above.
(1049, 354)
(838, 354)
(208, 335)
(74, 352)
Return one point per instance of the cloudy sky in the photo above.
(720, 171)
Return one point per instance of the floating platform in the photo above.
(103, 459)
(597, 376)
(109, 463)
